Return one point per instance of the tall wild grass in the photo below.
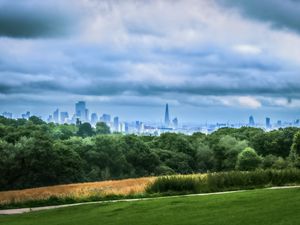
(223, 181)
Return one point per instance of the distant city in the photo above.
(82, 115)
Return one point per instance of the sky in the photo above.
(217, 60)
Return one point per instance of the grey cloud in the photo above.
(180, 69)
(280, 13)
(221, 85)
(99, 73)
(34, 19)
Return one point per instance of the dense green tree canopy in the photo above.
(33, 153)
(102, 128)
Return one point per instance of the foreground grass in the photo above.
(266, 207)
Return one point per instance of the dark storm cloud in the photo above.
(33, 19)
(4, 89)
(280, 13)
(101, 72)
(205, 85)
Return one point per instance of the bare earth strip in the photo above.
(26, 210)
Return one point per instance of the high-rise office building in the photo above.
(7, 115)
(124, 127)
(116, 124)
(167, 116)
(26, 115)
(56, 116)
(81, 111)
(139, 126)
(268, 122)
(94, 118)
(251, 121)
(86, 119)
(279, 123)
(175, 123)
(106, 118)
(50, 119)
(64, 116)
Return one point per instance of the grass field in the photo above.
(265, 207)
(82, 190)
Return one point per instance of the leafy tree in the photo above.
(296, 143)
(269, 161)
(68, 164)
(179, 162)
(226, 152)
(140, 156)
(175, 142)
(64, 131)
(280, 163)
(85, 130)
(164, 170)
(276, 142)
(248, 159)
(204, 157)
(36, 120)
(34, 162)
(102, 128)
(6, 163)
(294, 156)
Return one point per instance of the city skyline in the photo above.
(113, 55)
(82, 112)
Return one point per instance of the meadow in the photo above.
(148, 187)
(78, 191)
(276, 207)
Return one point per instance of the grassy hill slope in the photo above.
(266, 207)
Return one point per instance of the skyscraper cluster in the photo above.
(81, 115)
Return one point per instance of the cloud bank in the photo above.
(188, 53)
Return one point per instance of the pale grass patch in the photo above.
(80, 190)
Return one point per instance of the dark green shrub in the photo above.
(182, 184)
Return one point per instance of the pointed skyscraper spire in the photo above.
(167, 117)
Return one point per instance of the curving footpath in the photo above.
(26, 210)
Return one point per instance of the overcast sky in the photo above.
(217, 60)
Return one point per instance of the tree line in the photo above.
(34, 153)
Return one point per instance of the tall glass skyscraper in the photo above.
(251, 121)
(56, 116)
(81, 111)
(167, 116)
(268, 122)
(116, 124)
(64, 116)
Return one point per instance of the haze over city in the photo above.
(210, 60)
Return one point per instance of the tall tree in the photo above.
(85, 130)
(102, 128)
(248, 159)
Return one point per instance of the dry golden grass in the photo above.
(103, 188)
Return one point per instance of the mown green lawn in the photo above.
(265, 207)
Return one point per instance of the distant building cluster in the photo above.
(81, 115)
